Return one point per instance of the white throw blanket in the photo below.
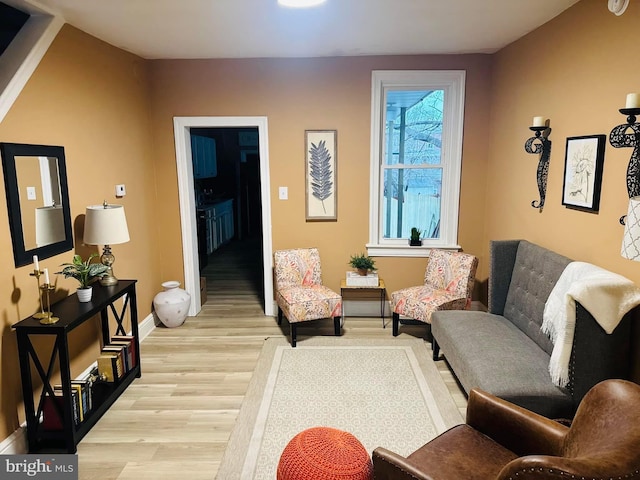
(605, 295)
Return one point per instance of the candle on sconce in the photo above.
(46, 276)
(539, 121)
(633, 100)
(36, 264)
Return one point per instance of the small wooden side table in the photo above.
(380, 288)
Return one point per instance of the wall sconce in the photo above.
(106, 225)
(619, 138)
(540, 144)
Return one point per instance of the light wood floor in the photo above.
(174, 421)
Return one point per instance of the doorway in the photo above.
(188, 207)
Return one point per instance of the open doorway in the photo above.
(188, 202)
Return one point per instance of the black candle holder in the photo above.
(619, 138)
(541, 145)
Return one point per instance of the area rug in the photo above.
(387, 393)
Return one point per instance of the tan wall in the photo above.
(92, 99)
(300, 94)
(576, 70)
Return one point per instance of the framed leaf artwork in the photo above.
(583, 164)
(320, 175)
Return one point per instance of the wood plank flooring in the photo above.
(174, 421)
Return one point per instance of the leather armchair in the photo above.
(503, 441)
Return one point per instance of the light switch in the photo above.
(283, 193)
(120, 191)
(31, 193)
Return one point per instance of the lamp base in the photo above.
(107, 259)
(108, 280)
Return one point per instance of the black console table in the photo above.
(72, 314)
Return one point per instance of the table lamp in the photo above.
(106, 225)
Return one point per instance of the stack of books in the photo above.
(81, 400)
(354, 279)
(117, 358)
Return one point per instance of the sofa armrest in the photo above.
(596, 355)
(391, 466)
(502, 258)
(515, 428)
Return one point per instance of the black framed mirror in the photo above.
(35, 180)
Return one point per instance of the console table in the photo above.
(72, 314)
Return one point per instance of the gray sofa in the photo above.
(504, 352)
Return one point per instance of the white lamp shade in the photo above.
(631, 238)
(49, 225)
(105, 225)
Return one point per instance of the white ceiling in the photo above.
(259, 28)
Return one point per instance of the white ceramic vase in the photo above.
(84, 294)
(172, 304)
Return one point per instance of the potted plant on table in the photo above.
(415, 240)
(85, 273)
(362, 263)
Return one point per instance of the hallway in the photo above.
(234, 280)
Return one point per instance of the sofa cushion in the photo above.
(535, 273)
(489, 352)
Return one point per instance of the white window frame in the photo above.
(453, 84)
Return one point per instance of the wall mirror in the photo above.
(35, 179)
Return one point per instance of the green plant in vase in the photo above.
(415, 239)
(84, 272)
(362, 263)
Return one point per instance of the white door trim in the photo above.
(182, 127)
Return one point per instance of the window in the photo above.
(416, 154)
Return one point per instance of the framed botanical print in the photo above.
(583, 166)
(320, 175)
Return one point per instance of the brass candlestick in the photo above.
(36, 273)
(48, 319)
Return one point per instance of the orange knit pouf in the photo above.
(323, 453)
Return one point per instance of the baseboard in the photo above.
(16, 443)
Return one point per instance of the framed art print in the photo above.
(320, 175)
(583, 165)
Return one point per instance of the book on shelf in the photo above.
(51, 418)
(108, 367)
(130, 347)
(131, 340)
(75, 402)
(354, 279)
(84, 389)
(118, 352)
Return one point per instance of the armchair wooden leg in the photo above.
(396, 322)
(336, 325)
(279, 316)
(294, 328)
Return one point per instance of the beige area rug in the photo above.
(387, 393)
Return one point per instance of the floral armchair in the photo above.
(300, 295)
(448, 284)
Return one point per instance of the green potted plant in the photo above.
(85, 273)
(415, 240)
(362, 263)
